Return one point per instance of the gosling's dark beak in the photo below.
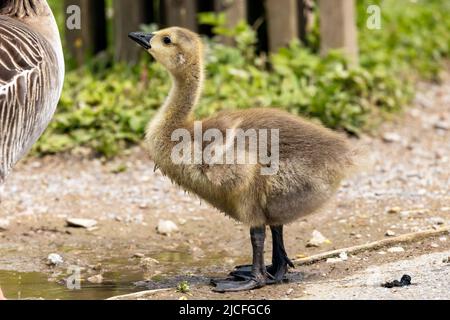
(142, 39)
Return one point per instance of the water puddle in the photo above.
(38, 286)
(128, 276)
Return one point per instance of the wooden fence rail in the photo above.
(278, 22)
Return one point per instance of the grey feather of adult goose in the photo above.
(31, 76)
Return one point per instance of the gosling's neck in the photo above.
(177, 111)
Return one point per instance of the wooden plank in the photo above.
(338, 27)
(91, 38)
(181, 13)
(128, 17)
(282, 16)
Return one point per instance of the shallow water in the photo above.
(128, 277)
(35, 285)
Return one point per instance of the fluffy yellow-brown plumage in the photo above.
(312, 160)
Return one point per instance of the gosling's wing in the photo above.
(29, 90)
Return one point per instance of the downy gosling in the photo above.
(307, 163)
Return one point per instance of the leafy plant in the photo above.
(106, 108)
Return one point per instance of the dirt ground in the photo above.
(411, 176)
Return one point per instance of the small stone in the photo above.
(393, 210)
(81, 223)
(138, 255)
(148, 263)
(317, 239)
(166, 227)
(434, 245)
(436, 221)
(442, 125)
(390, 233)
(443, 239)
(391, 137)
(382, 253)
(97, 279)
(343, 256)
(54, 259)
(334, 260)
(4, 224)
(396, 250)
(98, 267)
(290, 291)
(143, 206)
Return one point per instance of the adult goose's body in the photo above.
(31, 76)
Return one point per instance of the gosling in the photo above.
(312, 160)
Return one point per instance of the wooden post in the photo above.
(91, 38)
(306, 18)
(235, 12)
(282, 22)
(128, 17)
(338, 27)
(257, 18)
(181, 13)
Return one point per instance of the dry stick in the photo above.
(138, 295)
(410, 237)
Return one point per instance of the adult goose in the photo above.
(31, 76)
(309, 160)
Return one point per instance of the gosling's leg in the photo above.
(258, 275)
(280, 260)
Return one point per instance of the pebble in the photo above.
(391, 137)
(394, 210)
(443, 239)
(54, 259)
(396, 250)
(290, 291)
(442, 125)
(97, 279)
(342, 257)
(436, 220)
(148, 263)
(317, 239)
(390, 233)
(4, 224)
(138, 255)
(81, 223)
(434, 245)
(166, 227)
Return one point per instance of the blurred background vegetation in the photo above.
(106, 104)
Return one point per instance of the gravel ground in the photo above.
(407, 190)
(431, 281)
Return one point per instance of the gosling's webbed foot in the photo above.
(240, 285)
(275, 274)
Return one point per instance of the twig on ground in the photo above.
(138, 295)
(410, 237)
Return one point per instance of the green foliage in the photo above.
(183, 287)
(106, 109)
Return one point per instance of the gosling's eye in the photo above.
(167, 40)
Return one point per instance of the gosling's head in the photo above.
(177, 49)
